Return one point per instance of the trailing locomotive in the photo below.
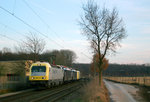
(45, 74)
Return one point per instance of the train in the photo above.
(45, 74)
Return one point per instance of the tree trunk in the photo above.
(100, 72)
(34, 57)
(100, 78)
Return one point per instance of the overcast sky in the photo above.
(58, 21)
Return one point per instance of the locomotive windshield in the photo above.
(38, 69)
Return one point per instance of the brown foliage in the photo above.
(28, 64)
(94, 65)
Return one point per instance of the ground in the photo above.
(90, 92)
(120, 92)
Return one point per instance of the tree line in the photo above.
(31, 48)
(127, 70)
(61, 57)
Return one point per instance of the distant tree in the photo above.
(33, 45)
(20, 49)
(6, 50)
(1, 54)
(103, 28)
(69, 56)
(6, 54)
(56, 58)
(62, 57)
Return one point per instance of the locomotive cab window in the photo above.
(38, 69)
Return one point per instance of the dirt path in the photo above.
(123, 92)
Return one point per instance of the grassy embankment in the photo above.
(94, 93)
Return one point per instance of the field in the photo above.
(145, 81)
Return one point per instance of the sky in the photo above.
(58, 20)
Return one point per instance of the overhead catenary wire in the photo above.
(10, 28)
(3, 35)
(12, 14)
(35, 13)
(9, 38)
(30, 26)
(40, 18)
(48, 24)
(86, 56)
(14, 6)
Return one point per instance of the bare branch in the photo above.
(103, 28)
(33, 45)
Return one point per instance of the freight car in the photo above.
(42, 73)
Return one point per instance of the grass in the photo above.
(95, 93)
(98, 99)
(12, 67)
(78, 100)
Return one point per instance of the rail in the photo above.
(50, 95)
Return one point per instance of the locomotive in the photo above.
(42, 73)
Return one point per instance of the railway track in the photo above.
(16, 96)
(47, 95)
(52, 97)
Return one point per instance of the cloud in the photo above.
(7, 43)
(81, 48)
(131, 53)
(78, 42)
(74, 31)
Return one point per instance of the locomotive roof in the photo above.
(41, 63)
(56, 66)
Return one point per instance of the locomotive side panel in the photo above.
(67, 75)
(74, 75)
(57, 74)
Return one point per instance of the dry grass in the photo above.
(12, 67)
(145, 81)
(94, 93)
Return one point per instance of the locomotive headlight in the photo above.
(43, 77)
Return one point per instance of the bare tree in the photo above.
(34, 45)
(6, 50)
(103, 28)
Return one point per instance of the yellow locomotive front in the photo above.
(39, 72)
